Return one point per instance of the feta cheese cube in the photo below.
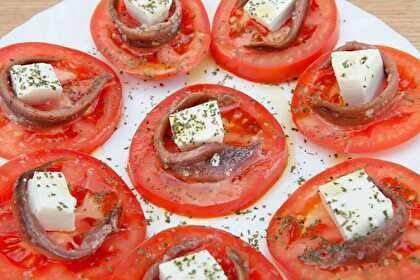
(197, 125)
(356, 204)
(148, 12)
(359, 74)
(198, 266)
(51, 202)
(270, 13)
(35, 83)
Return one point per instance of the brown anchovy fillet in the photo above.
(233, 161)
(148, 36)
(36, 235)
(370, 248)
(196, 163)
(366, 113)
(33, 116)
(241, 266)
(198, 154)
(279, 39)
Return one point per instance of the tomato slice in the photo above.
(318, 35)
(212, 198)
(180, 55)
(402, 124)
(303, 222)
(151, 251)
(98, 189)
(76, 71)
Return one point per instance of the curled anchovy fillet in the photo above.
(33, 116)
(196, 163)
(241, 266)
(38, 237)
(286, 36)
(366, 113)
(148, 36)
(370, 248)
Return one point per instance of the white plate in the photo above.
(67, 24)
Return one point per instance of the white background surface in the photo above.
(67, 24)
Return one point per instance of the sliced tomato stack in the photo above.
(303, 222)
(76, 71)
(209, 199)
(394, 128)
(97, 188)
(231, 29)
(180, 55)
(219, 242)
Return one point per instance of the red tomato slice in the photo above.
(153, 250)
(76, 71)
(402, 124)
(98, 189)
(319, 35)
(303, 222)
(180, 55)
(217, 198)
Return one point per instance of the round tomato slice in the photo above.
(184, 52)
(303, 222)
(399, 125)
(210, 199)
(76, 72)
(97, 189)
(152, 250)
(318, 35)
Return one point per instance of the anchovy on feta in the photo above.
(270, 13)
(198, 266)
(148, 12)
(356, 204)
(359, 74)
(35, 83)
(197, 125)
(51, 202)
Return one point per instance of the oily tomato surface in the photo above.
(232, 28)
(180, 55)
(98, 189)
(399, 125)
(219, 242)
(248, 120)
(303, 222)
(76, 72)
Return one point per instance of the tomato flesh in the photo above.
(85, 133)
(304, 222)
(151, 251)
(398, 126)
(232, 28)
(180, 55)
(217, 198)
(98, 189)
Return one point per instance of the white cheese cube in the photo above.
(198, 266)
(148, 12)
(270, 13)
(197, 125)
(51, 202)
(35, 83)
(359, 74)
(356, 204)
